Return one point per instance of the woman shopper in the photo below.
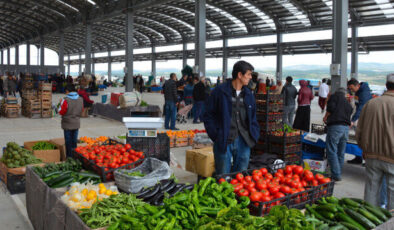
(188, 93)
(303, 114)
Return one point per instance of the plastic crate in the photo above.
(157, 147)
(312, 156)
(285, 139)
(274, 116)
(313, 149)
(16, 183)
(271, 97)
(262, 107)
(106, 175)
(286, 149)
(272, 126)
(323, 190)
(319, 129)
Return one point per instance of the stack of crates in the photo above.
(10, 107)
(45, 97)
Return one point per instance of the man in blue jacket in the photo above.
(230, 121)
(363, 95)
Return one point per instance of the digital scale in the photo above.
(143, 126)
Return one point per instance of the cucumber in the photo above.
(326, 214)
(327, 207)
(348, 225)
(376, 212)
(51, 174)
(345, 218)
(350, 202)
(62, 176)
(63, 183)
(88, 174)
(317, 215)
(360, 201)
(332, 200)
(360, 218)
(385, 212)
(369, 216)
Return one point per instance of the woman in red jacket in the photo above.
(303, 116)
(86, 100)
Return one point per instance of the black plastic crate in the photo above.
(16, 183)
(157, 147)
(229, 176)
(262, 107)
(313, 149)
(273, 116)
(285, 149)
(285, 139)
(323, 190)
(271, 97)
(272, 126)
(319, 129)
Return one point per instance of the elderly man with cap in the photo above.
(375, 136)
(338, 122)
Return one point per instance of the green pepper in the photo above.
(170, 225)
(160, 224)
(114, 226)
(245, 201)
(204, 185)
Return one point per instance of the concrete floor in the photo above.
(13, 207)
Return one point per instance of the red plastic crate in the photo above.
(115, 98)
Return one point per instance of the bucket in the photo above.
(104, 98)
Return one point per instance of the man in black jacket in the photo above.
(170, 98)
(290, 93)
(199, 100)
(338, 121)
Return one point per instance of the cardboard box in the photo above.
(315, 165)
(200, 161)
(47, 156)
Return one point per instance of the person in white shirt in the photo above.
(323, 93)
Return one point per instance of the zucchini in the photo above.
(376, 212)
(327, 207)
(360, 201)
(63, 183)
(385, 212)
(332, 200)
(360, 218)
(317, 215)
(369, 216)
(345, 218)
(62, 177)
(52, 174)
(350, 202)
(349, 225)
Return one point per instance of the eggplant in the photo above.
(169, 187)
(143, 192)
(150, 200)
(166, 183)
(189, 187)
(151, 192)
(158, 199)
(178, 188)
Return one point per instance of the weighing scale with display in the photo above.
(143, 126)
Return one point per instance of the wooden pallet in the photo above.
(32, 115)
(45, 86)
(11, 112)
(44, 97)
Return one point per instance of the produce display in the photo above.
(348, 213)
(261, 186)
(166, 188)
(288, 130)
(109, 210)
(93, 141)
(184, 210)
(44, 145)
(14, 156)
(83, 196)
(63, 174)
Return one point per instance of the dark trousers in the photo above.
(303, 118)
(199, 110)
(71, 139)
(170, 115)
(322, 102)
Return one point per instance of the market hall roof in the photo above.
(164, 22)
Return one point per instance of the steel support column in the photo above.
(88, 49)
(8, 58)
(279, 56)
(153, 60)
(2, 61)
(16, 59)
(184, 55)
(93, 67)
(109, 65)
(200, 30)
(339, 44)
(68, 66)
(28, 57)
(354, 64)
(80, 65)
(42, 55)
(61, 52)
(129, 51)
(225, 59)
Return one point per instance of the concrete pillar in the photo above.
(28, 57)
(93, 67)
(279, 56)
(339, 44)
(68, 66)
(200, 30)
(16, 59)
(354, 69)
(184, 55)
(80, 65)
(2, 61)
(225, 59)
(88, 49)
(42, 55)
(8, 59)
(109, 66)
(61, 52)
(129, 51)
(153, 60)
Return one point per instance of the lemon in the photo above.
(108, 193)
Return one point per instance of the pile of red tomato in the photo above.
(110, 156)
(262, 186)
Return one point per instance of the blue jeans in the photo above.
(235, 159)
(199, 111)
(383, 192)
(337, 136)
(170, 113)
(71, 139)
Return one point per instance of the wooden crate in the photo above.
(12, 112)
(32, 114)
(31, 104)
(46, 104)
(46, 113)
(45, 96)
(45, 86)
(29, 94)
(27, 85)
